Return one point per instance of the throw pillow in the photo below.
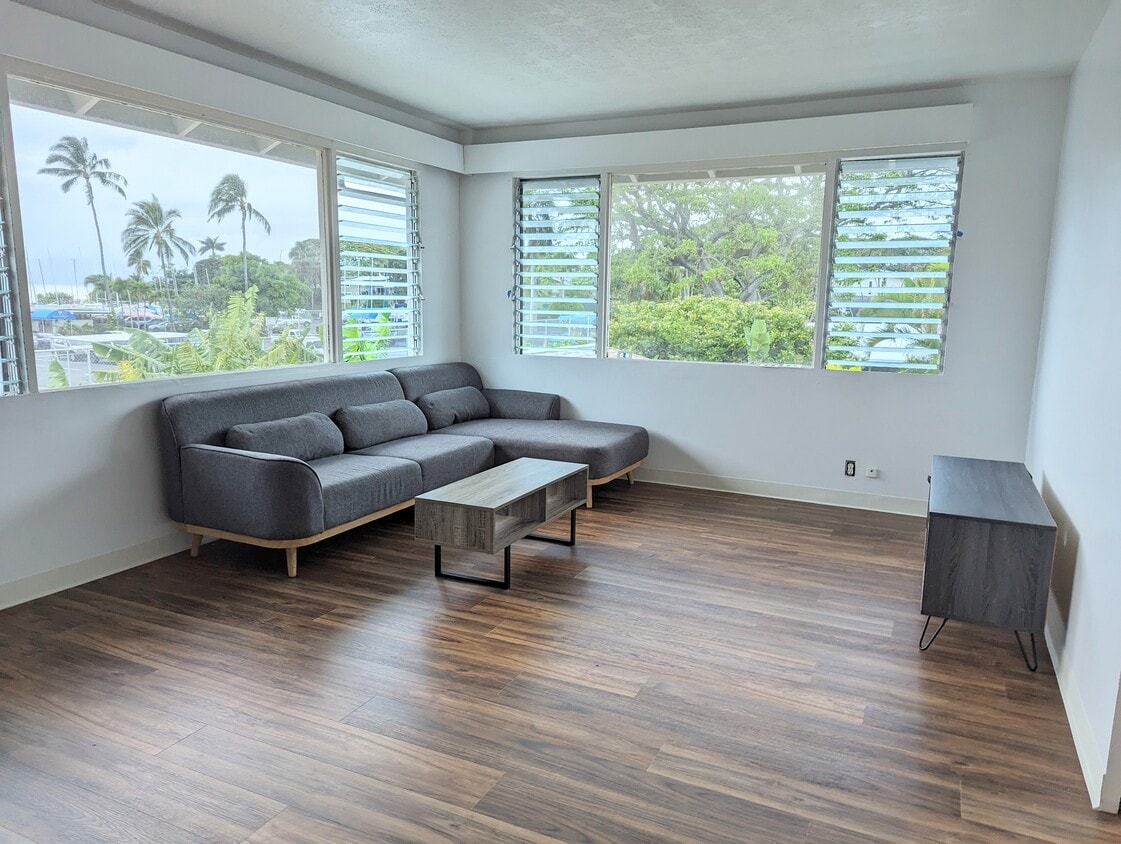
(446, 407)
(370, 424)
(307, 437)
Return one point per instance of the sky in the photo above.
(58, 231)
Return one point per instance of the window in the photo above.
(726, 265)
(556, 267)
(893, 245)
(11, 376)
(379, 260)
(160, 245)
(717, 266)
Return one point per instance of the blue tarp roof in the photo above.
(51, 313)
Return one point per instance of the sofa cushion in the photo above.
(417, 381)
(606, 447)
(446, 407)
(369, 424)
(356, 486)
(442, 459)
(306, 437)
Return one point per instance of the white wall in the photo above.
(81, 495)
(1074, 449)
(786, 432)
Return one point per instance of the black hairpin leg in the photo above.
(571, 533)
(922, 635)
(1034, 664)
(485, 581)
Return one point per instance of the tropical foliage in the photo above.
(714, 328)
(235, 340)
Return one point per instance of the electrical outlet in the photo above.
(871, 472)
(850, 468)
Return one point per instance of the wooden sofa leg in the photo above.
(588, 504)
(196, 543)
(630, 478)
(290, 558)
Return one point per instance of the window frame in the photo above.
(822, 340)
(11, 241)
(414, 244)
(601, 267)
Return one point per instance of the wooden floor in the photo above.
(701, 667)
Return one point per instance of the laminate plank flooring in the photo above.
(700, 667)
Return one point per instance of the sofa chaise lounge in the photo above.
(286, 465)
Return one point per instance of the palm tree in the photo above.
(151, 228)
(212, 245)
(140, 265)
(101, 284)
(228, 196)
(70, 159)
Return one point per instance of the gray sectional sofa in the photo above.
(285, 465)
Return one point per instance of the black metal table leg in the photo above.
(1034, 656)
(922, 635)
(483, 581)
(556, 540)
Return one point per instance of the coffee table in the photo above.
(493, 509)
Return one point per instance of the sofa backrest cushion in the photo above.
(446, 407)
(370, 424)
(310, 436)
(204, 417)
(417, 381)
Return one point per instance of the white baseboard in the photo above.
(1093, 766)
(787, 492)
(83, 571)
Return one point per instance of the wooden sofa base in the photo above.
(628, 471)
(290, 546)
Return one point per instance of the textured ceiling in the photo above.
(484, 63)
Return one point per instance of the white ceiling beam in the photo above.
(183, 127)
(87, 105)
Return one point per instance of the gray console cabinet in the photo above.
(989, 545)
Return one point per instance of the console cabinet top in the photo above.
(992, 490)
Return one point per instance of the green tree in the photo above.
(280, 288)
(196, 302)
(54, 297)
(714, 328)
(757, 239)
(228, 196)
(133, 290)
(71, 160)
